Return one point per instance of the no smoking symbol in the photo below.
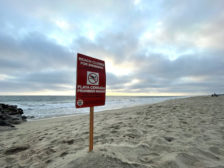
(92, 78)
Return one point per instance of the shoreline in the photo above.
(47, 107)
(119, 108)
(178, 133)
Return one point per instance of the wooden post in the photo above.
(91, 121)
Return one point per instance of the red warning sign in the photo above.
(90, 82)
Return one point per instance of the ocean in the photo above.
(54, 106)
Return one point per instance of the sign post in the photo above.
(91, 126)
(90, 87)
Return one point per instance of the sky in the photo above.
(150, 47)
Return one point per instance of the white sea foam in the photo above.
(53, 106)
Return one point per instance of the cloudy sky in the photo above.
(151, 47)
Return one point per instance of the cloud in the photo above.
(35, 63)
(34, 52)
(188, 73)
(39, 81)
(149, 46)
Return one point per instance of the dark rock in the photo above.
(24, 118)
(3, 123)
(20, 111)
(30, 117)
(10, 114)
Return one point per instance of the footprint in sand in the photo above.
(113, 131)
(69, 141)
(217, 167)
(133, 133)
(169, 139)
(150, 126)
(63, 154)
(204, 154)
(216, 150)
(169, 164)
(115, 126)
(187, 159)
(16, 149)
(149, 158)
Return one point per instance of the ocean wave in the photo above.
(53, 106)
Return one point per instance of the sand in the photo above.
(181, 133)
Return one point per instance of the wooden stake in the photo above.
(91, 120)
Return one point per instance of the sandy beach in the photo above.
(180, 133)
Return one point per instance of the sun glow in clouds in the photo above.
(136, 2)
(61, 38)
(193, 79)
(90, 31)
(62, 24)
(119, 69)
(91, 35)
(133, 82)
(5, 77)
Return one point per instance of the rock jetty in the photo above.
(11, 115)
